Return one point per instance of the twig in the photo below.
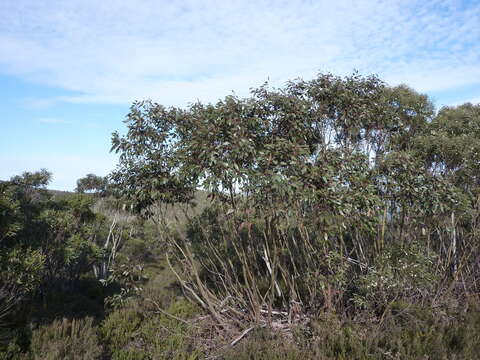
(273, 312)
(168, 314)
(244, 333)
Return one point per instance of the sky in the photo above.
(69, 70)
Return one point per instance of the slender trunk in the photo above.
(454, 244)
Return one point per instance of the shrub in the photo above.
(407, 331)
(141, 332)
(263, 345)
(119, 333)
(399, 272)
(74, 339)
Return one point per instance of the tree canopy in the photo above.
(92, 183)
(289, 134)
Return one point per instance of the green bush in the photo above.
(74, 339)
(399, 272)
(13, 351)
(119, 332)
(407, 331)
(139, 331)
(263, 345)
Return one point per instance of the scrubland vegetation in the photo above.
(336, 218)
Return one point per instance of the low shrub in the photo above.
(74, 339)
(406, 331)
(264, 345)
(144, 331)
(119, 332)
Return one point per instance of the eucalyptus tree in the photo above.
(168, 153)
(92, 183)
(311, 184)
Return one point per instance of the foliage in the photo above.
(321, 192)
(399, 273)
(48, 243)
(93, 184)
(74, 339)
(130, 278)
(406, 332)
(134, 332)
(265, 346)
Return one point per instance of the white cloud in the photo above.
(178, 51)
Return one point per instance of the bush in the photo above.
(133, 334)
(407, 331)
(263, 345)
(13, 352)
(399, 272)
(119, 333)
(74, 339)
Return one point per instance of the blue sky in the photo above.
(69, 70)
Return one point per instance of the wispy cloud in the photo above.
(178, 51)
